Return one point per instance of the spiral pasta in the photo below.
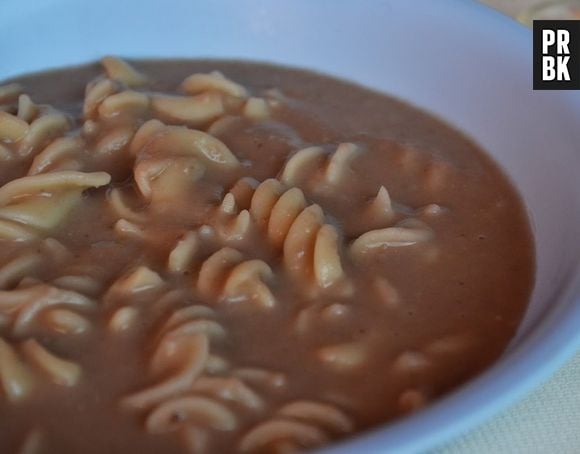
(194, 111)
(19, 371)
(230, 389)
(41, 132)
(15, 376)
(208, 406)
(59, 371)
(10, 92)
(122, 209)
(344, 357)
(122, 71)
(260, 377)
(204, 407)
(227, 276)
(33, 443)
(60, 154)
(296, 426)
(160, 180)
(141, 279)
(182, 255)
(155, 137)
(404, 233)
(214, 81)
(23, 306)
(310, 247)
(34, 205)
(308, 161)
(188, 360)
(183, 347)
(126, 102)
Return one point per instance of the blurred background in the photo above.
(527, 10)
(513, 7)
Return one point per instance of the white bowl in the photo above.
(469, 65)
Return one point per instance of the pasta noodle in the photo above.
(12, 128)
(387, 293)
(310, 317)
(115, 141)
(24, 305)
(5, 154)
(125, 102)
(241, 279)
(256, 109)
(335, 311)
(246, 280)
(28, 261)
(292, 435)
(41, 132)
(121, 208)
(333, 169)
(9, 92)
(160, 180)
(261, 377)
(27, 110)
(183, 346)
(86, 285)
(343, 357)
(296, 426)
(194, 439)
(214, 81)
(409, 362)
(192, 111)
(18, 268)
(16, 377)
(203, 408)
(60, 371)
(451, 344)
(405, 233)
(325, 415)
(216, 365)
(187, 353)
(33, 442)
(41, 202)
(123, 319)
(231, 389)
(310, 247)
(129, 229)
(380, 211)
(327, 266)
(193, 409)
(223, 124)
(96, 93)
(182, 141)
(65, 321)
(58, 155)
(185, 314)
(182, 254)
(122, 71)
(138, 280)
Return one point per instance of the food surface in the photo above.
(221, 256)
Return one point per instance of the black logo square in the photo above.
(556, 55)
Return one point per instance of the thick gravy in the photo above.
(257, 260)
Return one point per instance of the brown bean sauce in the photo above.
(376, 303)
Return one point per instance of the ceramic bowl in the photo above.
(455, 58)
